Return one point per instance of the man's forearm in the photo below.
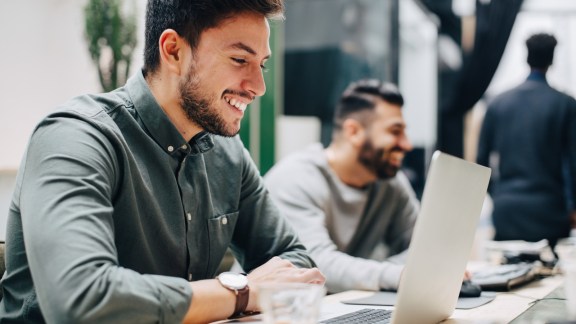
(210, 302)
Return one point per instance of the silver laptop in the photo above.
(442, 240)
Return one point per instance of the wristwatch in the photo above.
(238, 283)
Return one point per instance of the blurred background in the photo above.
(447, 56)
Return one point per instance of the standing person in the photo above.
(126, 201)
(528, 137)
(350, 205)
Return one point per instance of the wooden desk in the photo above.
(507, 307)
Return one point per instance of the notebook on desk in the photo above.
(505, 277)
(441, 243)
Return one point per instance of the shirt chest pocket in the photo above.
(220, 231)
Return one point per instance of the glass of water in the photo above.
(290, 303)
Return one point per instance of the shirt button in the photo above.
(189, 277)
(170, 148)
(189, 216)
(184, 147)
(224, 220)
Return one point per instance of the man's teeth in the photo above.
(238, 104)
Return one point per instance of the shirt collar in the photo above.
(159, 125)
(536, 75)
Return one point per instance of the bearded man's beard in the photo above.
(378, 160)
(200, 109)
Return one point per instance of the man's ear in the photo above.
(171, 47)
(354, 132)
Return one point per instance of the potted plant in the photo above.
(111, 37)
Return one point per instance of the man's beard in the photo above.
(200, 109)
(378, 160)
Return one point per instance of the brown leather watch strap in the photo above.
(241, 300)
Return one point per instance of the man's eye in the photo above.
(239, 60)
(264, 68)
(397, 132)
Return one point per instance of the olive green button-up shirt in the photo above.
(114, 212)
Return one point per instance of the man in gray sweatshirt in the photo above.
(352, 208)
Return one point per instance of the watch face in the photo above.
(233, 280)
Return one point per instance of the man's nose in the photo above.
(405, 144)
(254, 82)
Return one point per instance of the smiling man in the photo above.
(127, 201)
(348, 202)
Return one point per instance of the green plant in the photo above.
(111, 37)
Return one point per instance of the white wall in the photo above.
(44, 62)
(294, 133)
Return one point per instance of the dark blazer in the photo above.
(528, 137)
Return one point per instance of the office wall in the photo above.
(44, 62)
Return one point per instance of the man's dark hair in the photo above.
(541, 50)
(360, 97)
(189, 18)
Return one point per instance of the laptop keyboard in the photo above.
(364, 316)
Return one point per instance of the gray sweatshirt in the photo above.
(351, 233)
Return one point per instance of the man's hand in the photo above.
(279, 271)
(467, 275)
(212, 302)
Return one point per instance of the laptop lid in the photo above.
(442, 240)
